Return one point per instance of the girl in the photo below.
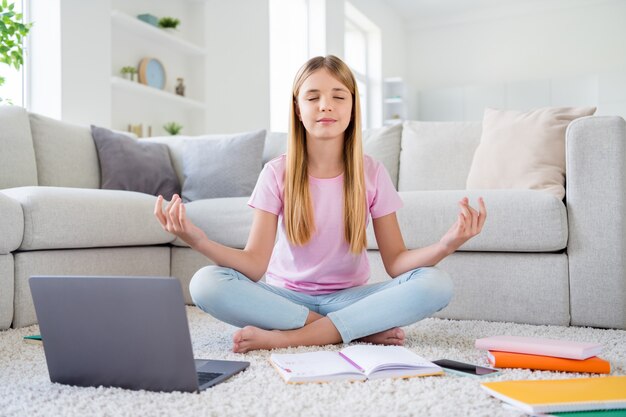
(319, 197)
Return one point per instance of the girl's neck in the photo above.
(325, 157)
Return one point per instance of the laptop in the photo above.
(127, 332)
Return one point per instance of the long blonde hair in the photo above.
(298, 207)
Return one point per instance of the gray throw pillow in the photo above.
(132, 165)
(226, 166)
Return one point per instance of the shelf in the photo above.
(394, 100)
(391, 122)
(151, 33)
(135, 87)
(393, 80)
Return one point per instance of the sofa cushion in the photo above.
(437, 155)
(524, 149)
(18, 166)
(11, 224)
(517, 220)
(382, 144)
(7, 285)
(66, 154)
(133, 165)
(65, 218)
(177, 145)
(222, 167)
(224, 220)
(275, 146)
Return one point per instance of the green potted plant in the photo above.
(12, 34)
(172, 128)
(129, 72)
(169, 23)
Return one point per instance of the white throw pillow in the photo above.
(523, 149)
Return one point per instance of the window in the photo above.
(363, 55)
(288, 51)
(13, 89)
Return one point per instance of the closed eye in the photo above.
(340, 98)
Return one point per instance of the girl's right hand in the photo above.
(174, 220)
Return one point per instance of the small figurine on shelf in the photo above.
(172, 128)
(180, 87)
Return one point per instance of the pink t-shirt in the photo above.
(325, 264)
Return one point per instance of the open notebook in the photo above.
(355, 363)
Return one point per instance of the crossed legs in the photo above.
(273, 317)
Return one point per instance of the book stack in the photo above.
(544, 354)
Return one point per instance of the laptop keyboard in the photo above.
(204, 377)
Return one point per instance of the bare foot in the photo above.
(393, 336)
(252, 338)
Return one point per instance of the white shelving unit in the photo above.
(145, 90)
(182, 54)
(122, 20)
(394, 101)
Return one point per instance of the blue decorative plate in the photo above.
(152, 73)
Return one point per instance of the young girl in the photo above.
(319, 197)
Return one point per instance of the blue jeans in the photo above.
(356, 312)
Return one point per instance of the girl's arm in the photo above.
(252, 261)
(398, 259)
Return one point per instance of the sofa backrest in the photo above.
(37, 150)
(437, 155)
(18, 166)
(66, 154)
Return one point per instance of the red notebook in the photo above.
(548, 363)
(540, 346)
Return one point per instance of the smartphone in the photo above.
(465, 369)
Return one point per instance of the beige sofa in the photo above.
(539, 260)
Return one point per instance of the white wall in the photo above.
(85, 58)
(237, 86)
(70, 55)
(582, 42)
(45, 58)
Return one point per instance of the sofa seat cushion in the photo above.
(65, 218)
(11, 224)
(224, 220)
(517, 220)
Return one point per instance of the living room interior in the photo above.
(439, 82)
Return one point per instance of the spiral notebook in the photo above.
(555, 395)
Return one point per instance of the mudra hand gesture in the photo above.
(468, 224)
(175, 221)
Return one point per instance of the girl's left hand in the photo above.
(469, 223)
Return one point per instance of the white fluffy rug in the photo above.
(25, 389)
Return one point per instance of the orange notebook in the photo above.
(554, 395)
(548, 363)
